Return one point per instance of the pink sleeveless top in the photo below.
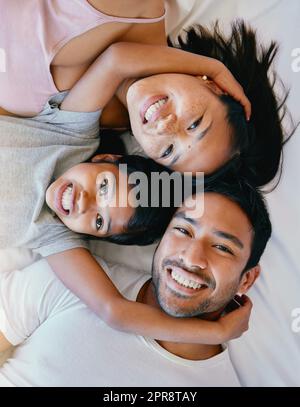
(31, 34)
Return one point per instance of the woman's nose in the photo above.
(167, 124)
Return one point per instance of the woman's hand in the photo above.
(235, 323)
(226, 81)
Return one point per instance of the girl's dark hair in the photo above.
(239, 190)
(147, 224)
(257, 144)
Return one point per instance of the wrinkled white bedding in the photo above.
(269, 354)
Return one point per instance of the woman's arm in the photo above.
(5, 112)
(129, 60)
(80, 272)
(114, 114)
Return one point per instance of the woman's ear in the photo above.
(248, 279)
(105, 157)
(212, 86)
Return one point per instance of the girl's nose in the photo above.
(83, 202)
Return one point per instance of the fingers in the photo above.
(239, 95)
(246, 302)
(245, 102)
(228, 83)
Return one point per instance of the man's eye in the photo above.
(223, 248)
(99, 222)
(182, 230)
(103, 188)
(168, 151)
(195, 124)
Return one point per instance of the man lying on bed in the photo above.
(200, 265)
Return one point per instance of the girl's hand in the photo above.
(235, 323)
(226, 81)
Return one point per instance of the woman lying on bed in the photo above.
(184, 122)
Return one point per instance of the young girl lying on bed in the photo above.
(64, 123)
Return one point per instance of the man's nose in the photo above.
(167, 124)
(194, 255)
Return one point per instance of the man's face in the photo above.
(198, 264)
(78, 198)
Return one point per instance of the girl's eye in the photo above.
(168, 151)
(195, 124)
(223, 249)
(182, 230)
(103, 187)
(99, 222)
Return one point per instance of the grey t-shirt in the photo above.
(34, 152)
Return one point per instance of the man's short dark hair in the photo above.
(250, 199)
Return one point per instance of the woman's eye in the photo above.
(195, 124)
(103, 188)
(99, 222)
(168, 151)
(182, 230)
(223, 248)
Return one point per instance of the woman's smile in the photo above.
(153, 108)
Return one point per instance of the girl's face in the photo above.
(86, 199)
(180, 122)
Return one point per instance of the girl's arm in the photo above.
(4, 343)
(129, 60)
(80, 272)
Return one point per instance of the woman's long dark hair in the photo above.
(257, 145)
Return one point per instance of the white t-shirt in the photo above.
(62, 343)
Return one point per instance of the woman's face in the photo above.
(180, 122)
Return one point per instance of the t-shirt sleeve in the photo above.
(82, 123)
(62, 245)
(27, 298)
(50, 236)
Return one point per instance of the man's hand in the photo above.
(235, 323)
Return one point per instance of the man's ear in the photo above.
(105, 157)
(248, 279)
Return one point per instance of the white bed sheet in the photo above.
(269, 354)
